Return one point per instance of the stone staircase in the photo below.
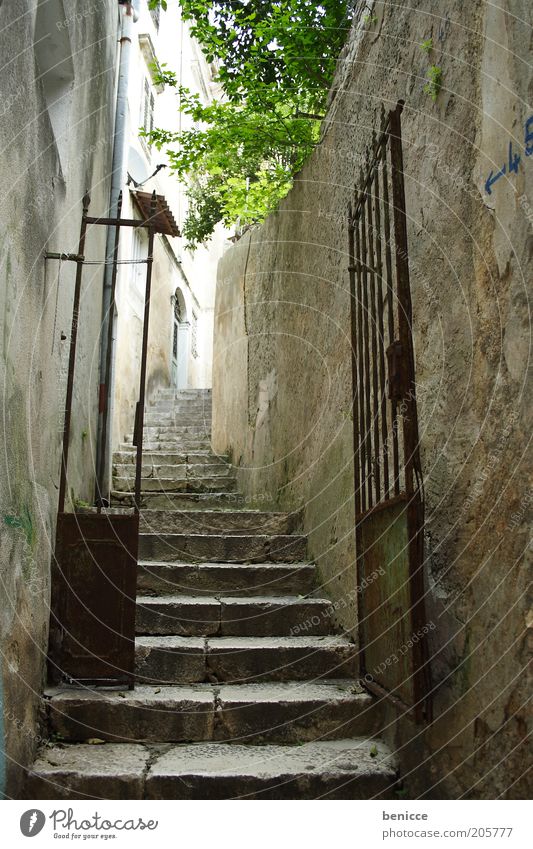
(180, 472)
(244, 688)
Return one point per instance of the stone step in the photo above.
(183, 405)
(242, 660)
(231, 579)
(254, 616)
(218, 521)
(222, 548)
(194, 458)
(280, 712)
(178, 501)
(165, 446)
(187, 394)
(189, 421)
(179, 470)
(329, 769)
(215, 483)
(172, 431)
(178, 410)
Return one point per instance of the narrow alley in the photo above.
(265, 467)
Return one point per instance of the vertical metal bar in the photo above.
(376, 465)
(362, 444)
(364, 261)
(415, 508)
(104, 395)
(72, 355)
(142, 381)
(381, 332)
(404, 296)
(353, 339)
(390, 318)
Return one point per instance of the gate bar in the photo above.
(354, 340)
(139, 417)
(384, 459)
(72, 355)
(79, 259)
(107, 376)
(366, 347)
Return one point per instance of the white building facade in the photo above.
(183, 283)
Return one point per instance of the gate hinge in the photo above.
(397, 371)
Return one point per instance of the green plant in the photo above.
(275, 64)
(374, 751)
(79, 502)
(370, 20)
(84, 435)
(434, 82)
(427, 45)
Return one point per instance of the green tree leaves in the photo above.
(276, 60)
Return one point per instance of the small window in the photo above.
(156, 15)
(194, 335)
(147, 110)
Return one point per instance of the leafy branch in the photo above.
(275, 60)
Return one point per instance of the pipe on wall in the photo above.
(118, 180)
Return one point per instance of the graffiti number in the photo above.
(528, 141)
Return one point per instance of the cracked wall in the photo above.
(282, 384)
(44, 171)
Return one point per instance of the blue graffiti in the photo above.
(514, 159)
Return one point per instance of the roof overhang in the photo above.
(163, 220)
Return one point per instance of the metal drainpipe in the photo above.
(118, 179)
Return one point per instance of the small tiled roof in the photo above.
(163, 218)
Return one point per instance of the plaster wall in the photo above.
(282, 380)
(55, 142)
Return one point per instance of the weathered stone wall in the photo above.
(282, 384)
(44, 171)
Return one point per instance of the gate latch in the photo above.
(396, 371)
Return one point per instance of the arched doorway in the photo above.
(180, 341)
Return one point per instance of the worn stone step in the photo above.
(241, 660)
(194, 458)
(215, 521)
(183, 393)
(176, 414)
(254, 616)
(155, 714)
(282, 712)
(166, 446)
(230, 548)
(177, 501)
(233, 579)
(332, 769)
(160, 423)
(216, 483)
(171, 431)
(127, 470)
(174, 471)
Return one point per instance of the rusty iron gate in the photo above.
(389, 501)
(94, 568)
